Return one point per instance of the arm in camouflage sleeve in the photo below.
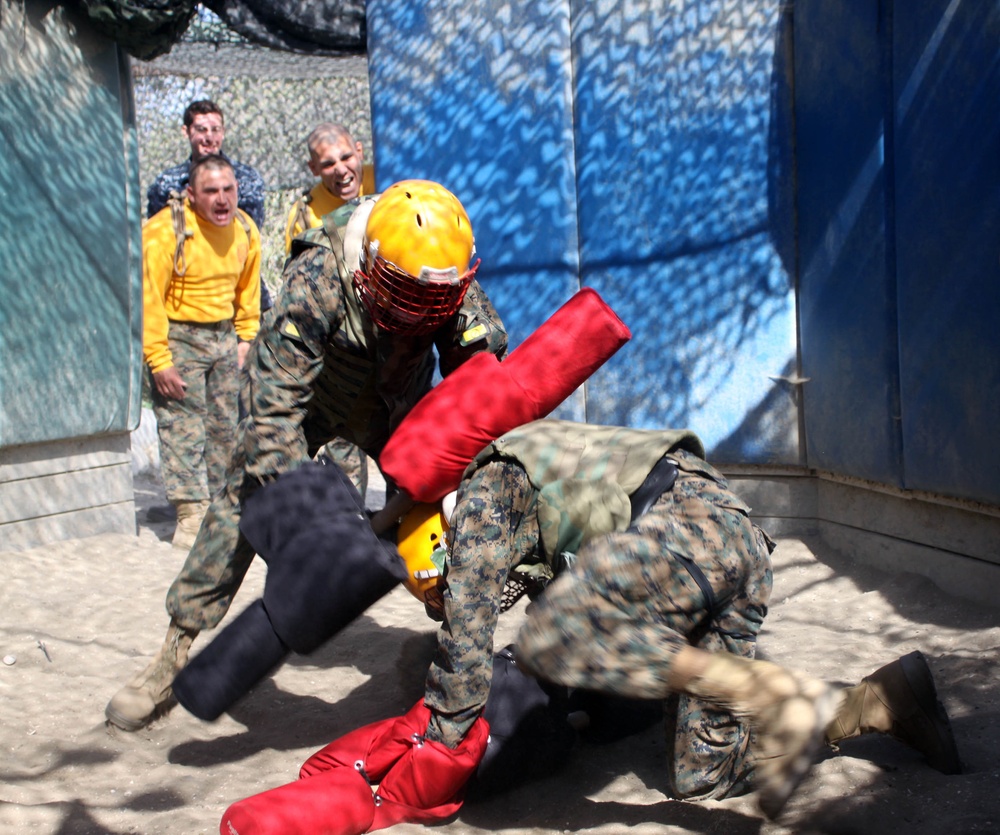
(478, 327)
(493, 529)
(285, 360)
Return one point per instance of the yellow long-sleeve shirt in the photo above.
(322, 202)
(222, 280)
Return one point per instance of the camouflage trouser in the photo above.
(615, 619)
(494, 527)
(218, 561)
(196, 433)
(351, 459)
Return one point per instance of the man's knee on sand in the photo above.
(707, 750)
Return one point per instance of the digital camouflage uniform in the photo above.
(318, 369)
(623, 602)
(307, 213)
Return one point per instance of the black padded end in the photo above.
(237, 658)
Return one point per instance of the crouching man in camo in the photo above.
(661, 587)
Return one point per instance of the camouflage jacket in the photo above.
(585, 473)
(320, 369)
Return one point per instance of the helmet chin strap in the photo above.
(448, 505)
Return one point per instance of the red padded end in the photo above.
(484, 398)
(346, 750)
(420, 781)
(337, 802)
(576, 340)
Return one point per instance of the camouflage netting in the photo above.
(271, 100)
(147, 29)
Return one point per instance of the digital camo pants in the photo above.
(213, 572)
(196, 434)
(351, 459)
(615, 620)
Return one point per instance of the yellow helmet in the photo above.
(422, 543)
(416, 260)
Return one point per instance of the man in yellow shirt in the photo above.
(338, 160)
(201, 306)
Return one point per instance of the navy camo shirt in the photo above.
(251, 190)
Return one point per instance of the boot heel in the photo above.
(921, 681)
(943, 754)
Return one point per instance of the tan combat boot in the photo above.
(189, 516)
(900, 699)
(787, 710)
(148, 694)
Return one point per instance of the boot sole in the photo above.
(123, 723)
(772, 800)
(921, 680)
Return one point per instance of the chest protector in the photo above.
(345, 393)
(585, 474)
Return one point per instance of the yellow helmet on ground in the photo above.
(416, 259)
(423, 545)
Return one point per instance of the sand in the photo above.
(80, 617)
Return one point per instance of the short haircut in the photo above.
(212, 162)
(328, 132)
(200, 108)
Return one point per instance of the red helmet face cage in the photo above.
(410, 305)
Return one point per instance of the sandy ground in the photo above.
(80, 617)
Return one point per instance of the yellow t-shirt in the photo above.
(322, 202)
(221, 282)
